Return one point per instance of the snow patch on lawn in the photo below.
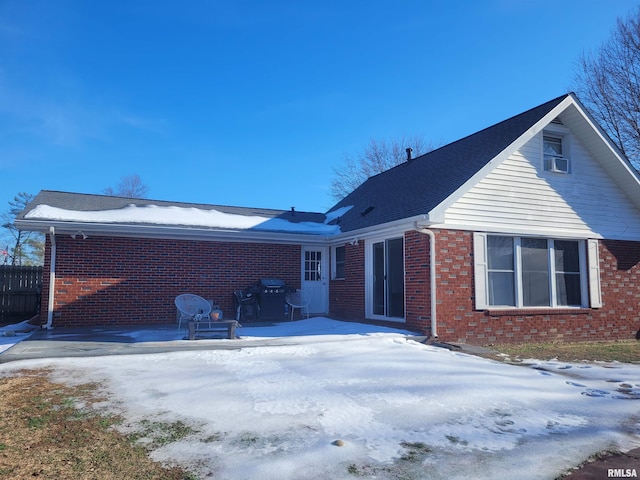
(15, 333)
(403, 409)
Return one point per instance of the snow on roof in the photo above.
(336, 214)
(183, 216)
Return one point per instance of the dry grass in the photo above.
(45, 434)
(627, 351)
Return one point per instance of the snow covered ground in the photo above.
(14, 333)
(401, 408)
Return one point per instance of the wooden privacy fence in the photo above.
(20, 289)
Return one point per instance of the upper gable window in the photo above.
(555, 155)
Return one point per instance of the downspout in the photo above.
(432, 270)
(52, 280)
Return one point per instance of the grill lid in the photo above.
(271, 283)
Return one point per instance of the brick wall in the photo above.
(346, 296)
(417, 281)
(126, 281)
(129, 281)
(457, 321)
(619, 317)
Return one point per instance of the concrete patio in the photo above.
(97, 341)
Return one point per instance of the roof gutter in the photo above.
(432, 270)
(52, 280)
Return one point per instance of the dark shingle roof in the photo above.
(86, 202)
(89, 202)
(417, 186)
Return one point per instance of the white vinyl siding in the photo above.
(518, 196)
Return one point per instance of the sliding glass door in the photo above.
(387, 286)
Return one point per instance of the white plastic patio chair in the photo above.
(192, 308)
(298, 299)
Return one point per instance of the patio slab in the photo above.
(97, 341)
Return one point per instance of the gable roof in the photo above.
(419, 185)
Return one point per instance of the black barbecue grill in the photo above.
(272, 298)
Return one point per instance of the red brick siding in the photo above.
(417, 281)
(126, 281)
(346, 296)
(457, 321)
(102, 281)
(619, 318)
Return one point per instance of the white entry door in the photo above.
(315, 278)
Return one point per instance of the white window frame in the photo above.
(369, 276)
(561, 134)
(334, 262)
(589, 274)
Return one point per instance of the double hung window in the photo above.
(533, 272)
(555, 156)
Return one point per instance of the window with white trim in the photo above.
(525, 272)
(338, 263)
(555, 155)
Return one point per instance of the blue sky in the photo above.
(252, 103)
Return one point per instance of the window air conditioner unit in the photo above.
(556, 164)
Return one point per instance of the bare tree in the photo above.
(608, 83)
(376, 157)
(130, 186)
(27, 247)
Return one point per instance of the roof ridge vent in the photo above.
(367, 210)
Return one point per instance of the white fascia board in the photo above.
(437, 213)
(391, 228)
(524, 231)
(170, 232)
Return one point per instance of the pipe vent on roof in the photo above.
(409, 152)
